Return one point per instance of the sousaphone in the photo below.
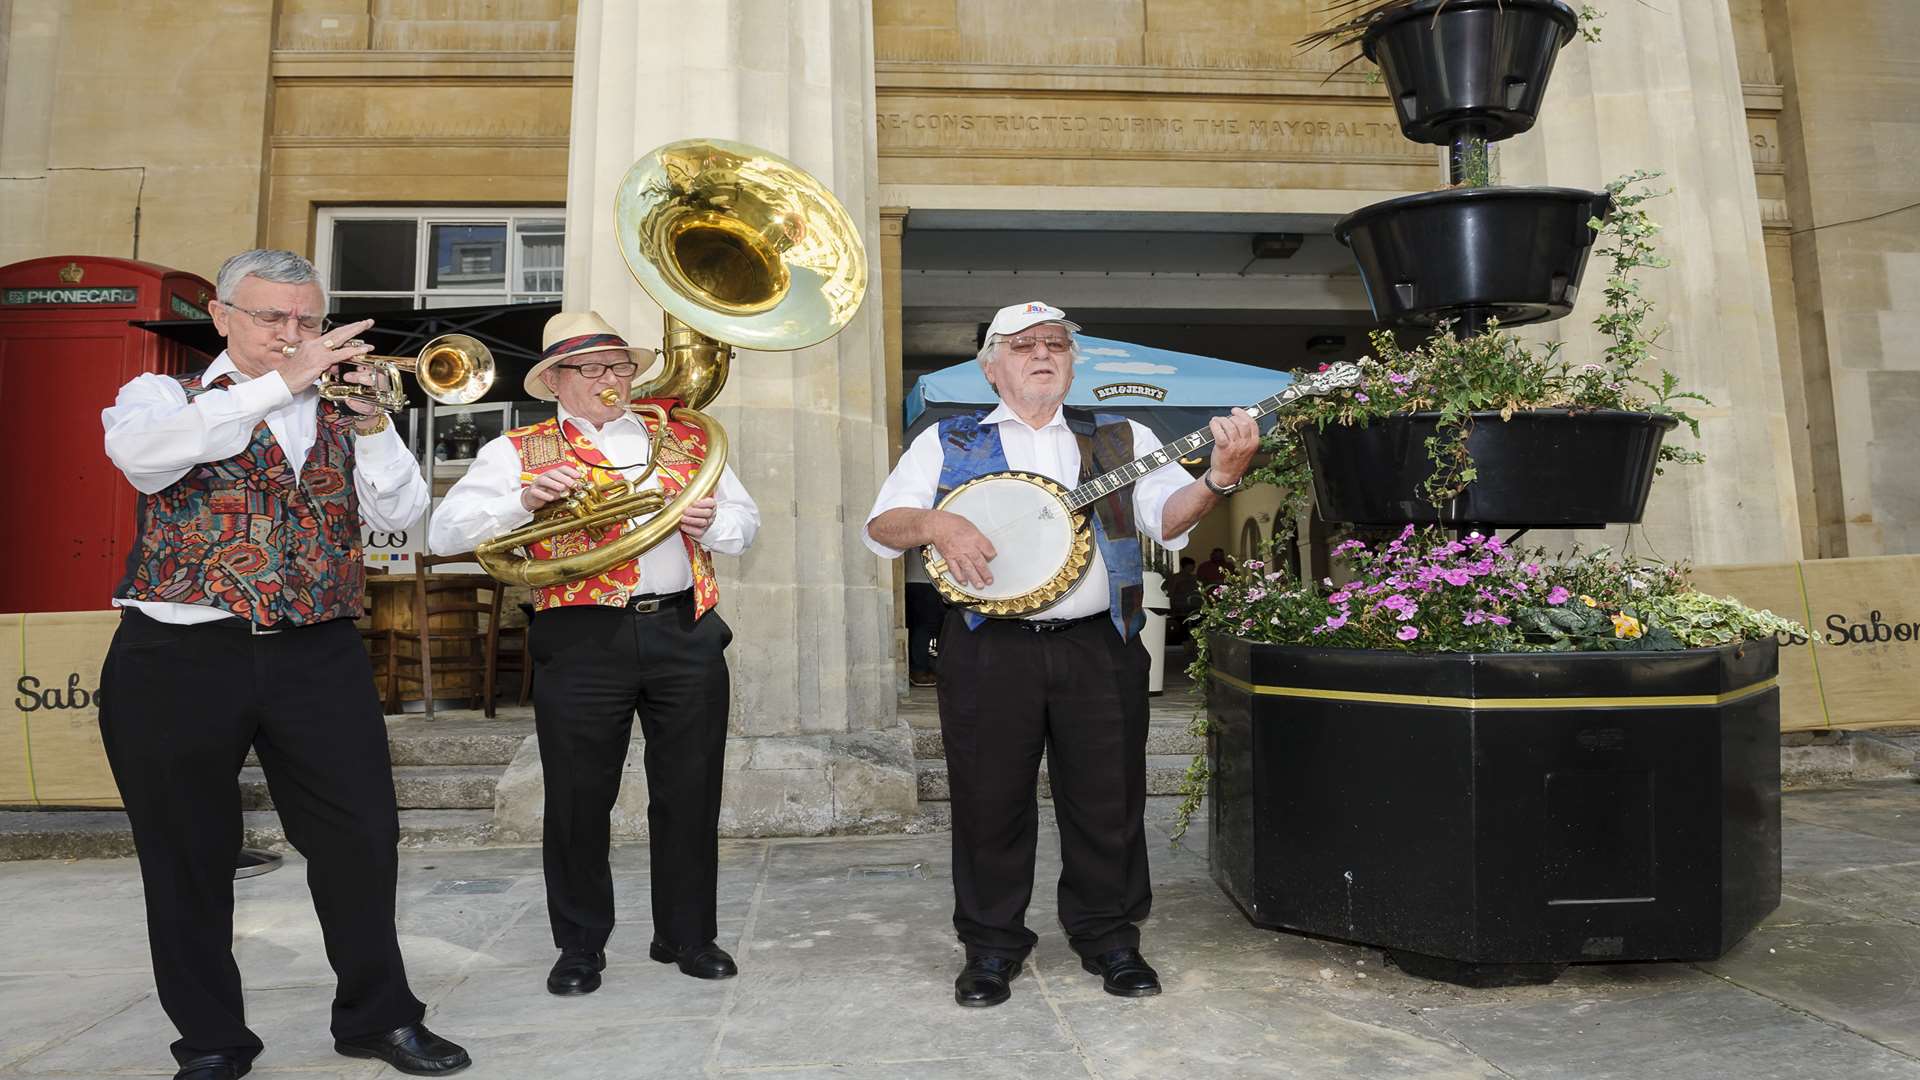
(740, 248)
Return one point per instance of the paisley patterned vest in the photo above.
(247, 536)
(1106, 442)
(541, 447)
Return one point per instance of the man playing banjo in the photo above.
(1070, 678)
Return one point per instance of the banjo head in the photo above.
(1042, 548)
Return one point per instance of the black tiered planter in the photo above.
(1470, 67)
(1544, 468)
(1495, 817)
(1515, 253)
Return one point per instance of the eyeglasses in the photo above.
(1055, 343)
(273, 318)
(591, 370)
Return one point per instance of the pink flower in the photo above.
(1500, 620)
(1458, 577)
(1335, 622)
(1408, 633)
(1361, 397)
(1558, 596)
(1340, 597)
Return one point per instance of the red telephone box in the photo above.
(66, 347)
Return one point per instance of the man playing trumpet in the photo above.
(641, 635)
(237, 633)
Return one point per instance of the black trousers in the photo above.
(1007, 693)
(596, 666)
(182, 705)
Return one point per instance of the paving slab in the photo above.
(1706, 1033)
(1863, 976)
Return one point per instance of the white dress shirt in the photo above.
(155, 435)
(486, 502)
(1053, 451)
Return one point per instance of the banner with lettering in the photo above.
(50, 751)
(1863, 668)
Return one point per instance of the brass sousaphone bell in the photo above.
(740, 248)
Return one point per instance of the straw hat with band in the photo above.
(572, 334)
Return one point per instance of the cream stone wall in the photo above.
(1201, 105)
(431, 102)
(133, 130)
(1850, 135)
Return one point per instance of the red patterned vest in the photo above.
(541, 447)
(247, 536)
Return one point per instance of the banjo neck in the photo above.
(1109, 482)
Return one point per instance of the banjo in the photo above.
(1043, 541)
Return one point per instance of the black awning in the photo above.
(512, 331)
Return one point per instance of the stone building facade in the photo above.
(1121, 158)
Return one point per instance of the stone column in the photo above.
(816, 745)
(1662, 91)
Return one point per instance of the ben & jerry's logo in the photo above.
(1146, 390)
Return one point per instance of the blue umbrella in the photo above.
(1171, 392)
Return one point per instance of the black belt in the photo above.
(648, 604)
(1054, 626)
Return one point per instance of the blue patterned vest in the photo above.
(1106, 442)
(247, 536)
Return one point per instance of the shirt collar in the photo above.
(1001, 414)
(223, 365)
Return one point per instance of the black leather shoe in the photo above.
(708, 961)
(214, 1067)
(412, 1050)
(1124, 973)
(577, 971)
(983, 982)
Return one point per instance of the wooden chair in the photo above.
(380, 650)
(450, 594)
(510, 653)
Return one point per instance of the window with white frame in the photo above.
(388, 258)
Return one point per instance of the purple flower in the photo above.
(1335, 622)
(1340, 597)
(1458, 577)
(1500, 620)
(1558, 596)
(1474, 618)
(1398, 379)
(1530, 569)
(1408, 633)
(1361, 397)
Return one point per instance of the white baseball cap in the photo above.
(1017, 317)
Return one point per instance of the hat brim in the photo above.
(537, 389)
(1018, 326)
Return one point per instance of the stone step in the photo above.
(937, 816)
(1164, 775)
(416, 787)
(456, 738)
(1164, 736)
(104, 834)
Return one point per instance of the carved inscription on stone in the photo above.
(1143, 129)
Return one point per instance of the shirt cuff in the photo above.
(381, 446)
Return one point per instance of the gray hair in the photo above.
(267, 264)
(993, 342)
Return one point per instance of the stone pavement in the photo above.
(847, 962)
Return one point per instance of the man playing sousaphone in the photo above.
(1071, 679)
(641, 635)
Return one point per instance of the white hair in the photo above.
(267, 264)
(993, 342)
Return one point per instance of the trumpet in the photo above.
(452, 369)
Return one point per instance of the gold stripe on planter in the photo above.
(1646, 701)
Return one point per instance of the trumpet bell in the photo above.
(741, 245)
(455, 369)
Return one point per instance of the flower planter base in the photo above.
(1489, 818)
(1548, 468)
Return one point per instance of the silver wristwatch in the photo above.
(1207, 479)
